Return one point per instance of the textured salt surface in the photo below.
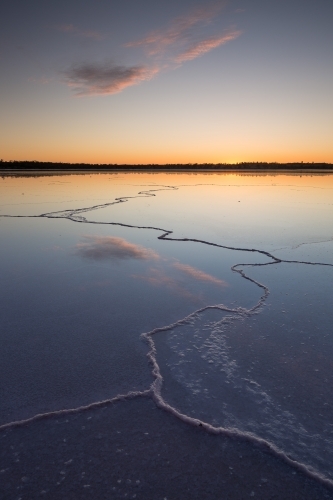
(131, 449)
(212, 375)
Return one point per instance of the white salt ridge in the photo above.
(243, 403)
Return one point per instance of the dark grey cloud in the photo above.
(103, 79)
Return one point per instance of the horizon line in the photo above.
(140, 165)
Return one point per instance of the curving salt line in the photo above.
(262, 444)
(122, 199)
(71, 411)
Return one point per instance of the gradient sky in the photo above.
(122, 81)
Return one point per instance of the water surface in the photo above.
(208, 294)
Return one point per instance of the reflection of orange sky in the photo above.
(103, 188)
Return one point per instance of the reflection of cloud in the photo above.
(179, 30)
(199, 275)
(104, 79)
(70, 28)
(200, 48)
(110, 247)
(157, 277)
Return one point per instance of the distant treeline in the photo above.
(42, 165)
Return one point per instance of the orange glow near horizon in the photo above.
(183, 143)
(149, 158)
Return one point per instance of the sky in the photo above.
(137, 82)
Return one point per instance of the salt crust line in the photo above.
(155, 390)
(79, 409)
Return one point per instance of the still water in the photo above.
(173, 333)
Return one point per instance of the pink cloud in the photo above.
(204, 46)
(179, 30)
(199, 275)
(98, 79)
(183, 40)
(112, 248)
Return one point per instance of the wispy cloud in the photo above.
(184, 39)
(74, 30)
(179, 30)
(197, 274)
(104, 79)
(112, 248)
(200, 48)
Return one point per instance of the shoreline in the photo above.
(48, 171)
(27, 166)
